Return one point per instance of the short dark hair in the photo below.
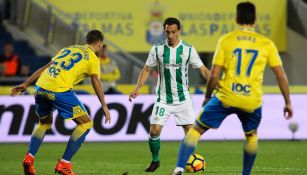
(94, 36)
(246, 13)
(171, 21)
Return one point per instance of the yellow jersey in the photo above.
(243, 54)
(70, 66)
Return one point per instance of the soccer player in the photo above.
(172, 58)
(242, 56)
(53, 91)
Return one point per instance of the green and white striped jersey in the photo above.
(173, 65)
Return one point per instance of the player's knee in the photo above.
(44, 126)
(154, 135)
(251, 133)
(154, 132)
(88, 125)
(46, 120)
(192, 137)
(251, 144)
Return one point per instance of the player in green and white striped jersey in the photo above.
(173, 63)
(172, 59)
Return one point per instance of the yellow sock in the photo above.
(39, 132)
(37, 137)
(76, 140)
(80, 130)
(192, 137)
(251, 145)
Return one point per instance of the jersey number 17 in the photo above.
(238, 53)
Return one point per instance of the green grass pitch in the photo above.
(115, 158)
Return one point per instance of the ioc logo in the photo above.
(240, 88)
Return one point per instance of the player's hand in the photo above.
(205, 101)
(18, 89)
(288, 111)
(107, 114)
(134, 94)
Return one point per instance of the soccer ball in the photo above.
(195, 163)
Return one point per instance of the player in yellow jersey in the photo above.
(53, 90)
(242, 56)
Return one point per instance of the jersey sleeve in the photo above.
(219, 57)
(152, 57)
(94, 65)
(273, 56)
(195, 60)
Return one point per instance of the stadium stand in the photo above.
(26, 53)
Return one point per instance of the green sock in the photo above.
(154, 144)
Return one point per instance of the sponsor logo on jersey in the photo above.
(172, 66)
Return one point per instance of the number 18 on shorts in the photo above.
(183, 113)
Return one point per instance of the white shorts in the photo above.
(183, 113)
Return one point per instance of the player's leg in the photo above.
(35, 143)
(188, 146)
(159, 116)
(44, 109)
(39, 134)
(250, 123)
(211, 116)
(70, 107)
(154, 145)
(84, 124)
(184, 115)
(186, 128)
(249, 152)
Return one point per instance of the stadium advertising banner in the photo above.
(140, 23)
(130, 121)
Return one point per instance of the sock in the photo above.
(66, 161)
(249, 153)
(177, 169)
(37, 138)
(187, 147)
(154, 145)
(76, 140)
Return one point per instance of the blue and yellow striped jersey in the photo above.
(243, 54)
(70, 66)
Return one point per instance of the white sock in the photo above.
(66, 161)
(177, 169)
(31, 155)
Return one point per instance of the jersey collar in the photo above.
(180, 41)
(89, 46)
(243, 28)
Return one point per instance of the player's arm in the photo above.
(145, 72)
(205, 73)
(196, 62)
(22, 87)
(143, 76)
(284, 88)
(275, 64)
(99, 92)
(213, 81)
